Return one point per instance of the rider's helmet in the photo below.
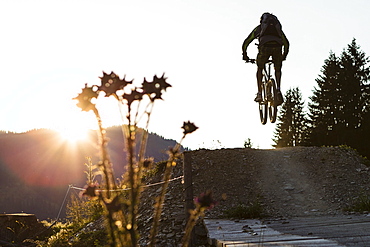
(263, 16)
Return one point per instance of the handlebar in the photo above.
(254, 61)
(250, 61)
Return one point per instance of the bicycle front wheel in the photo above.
(262, 106)
(272, 106)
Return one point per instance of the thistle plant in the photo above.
(121, 199)
(202, 203)
(174, 154)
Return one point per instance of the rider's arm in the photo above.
(285, 44)
(249, 39)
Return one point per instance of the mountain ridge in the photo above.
(37, 167)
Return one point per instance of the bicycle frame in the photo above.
(267, 107)
(267, 71)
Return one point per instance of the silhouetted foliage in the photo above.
(248, 143)
(291, 127)
(339, 112)
(121, 199)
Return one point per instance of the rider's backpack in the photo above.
(270, 25)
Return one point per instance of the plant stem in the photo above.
(194, 215)
(160, 199)
(105, 160)
(106, 166)
(133, 192)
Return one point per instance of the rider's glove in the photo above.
(245, 56)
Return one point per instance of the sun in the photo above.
(73, 134)
(71, 124)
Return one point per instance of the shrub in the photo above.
(361, 204)
(243, 211)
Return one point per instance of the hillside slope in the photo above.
(37, 167)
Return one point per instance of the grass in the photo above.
(245, 211)
(365, 160)
(361, 204)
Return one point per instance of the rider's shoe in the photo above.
(280, 99)
(258, 97)
(269, 97)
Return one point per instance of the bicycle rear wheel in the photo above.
(272, 106)
(262, 106)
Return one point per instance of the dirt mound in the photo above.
(287, 181)
(298, 181)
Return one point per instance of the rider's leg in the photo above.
(278, 62)
(261, 60)
(278, 77)
(259, 85)
(280, 99)
(259, 79)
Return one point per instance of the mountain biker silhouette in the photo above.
(271, 40)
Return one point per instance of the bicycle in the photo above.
(269, 94)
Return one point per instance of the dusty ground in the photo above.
(299, 181)
(288, 181)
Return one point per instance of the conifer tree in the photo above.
(340, 103)
(291, 127)
(322, 108)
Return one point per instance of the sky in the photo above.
(49, 49)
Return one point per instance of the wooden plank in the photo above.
(228, 233)
(351, 230)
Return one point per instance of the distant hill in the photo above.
(36, 167)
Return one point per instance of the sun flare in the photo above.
(73, 135)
